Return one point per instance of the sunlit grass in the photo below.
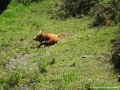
(80, 60)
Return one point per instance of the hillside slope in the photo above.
(80, 60)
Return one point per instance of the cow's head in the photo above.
(38, 37)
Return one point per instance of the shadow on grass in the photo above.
(3, 5)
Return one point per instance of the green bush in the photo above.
(66, 8)
(107, 13)
(116, 52)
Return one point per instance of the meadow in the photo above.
(81, 60)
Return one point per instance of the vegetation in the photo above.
(116, 52)
(66, 8)
(107, 13)
(81, 60)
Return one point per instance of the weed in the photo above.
(52, 61)
(42, 67)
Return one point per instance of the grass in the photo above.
(79, 61)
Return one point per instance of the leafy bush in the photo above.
(66, 8)
(107, 13)
(116, 52)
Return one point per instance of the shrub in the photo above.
(116, 52)
(66, 8)
(104, 12)
(107, 13)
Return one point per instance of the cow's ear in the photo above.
(40, 32)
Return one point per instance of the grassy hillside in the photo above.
(80, 60)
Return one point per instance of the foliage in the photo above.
(104, 12)
(116, 52)
(66, 8)
(107, 13)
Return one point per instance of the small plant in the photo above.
(13, 79)
(52, 61)
(42, 67)
(88, 86)
(73, 64)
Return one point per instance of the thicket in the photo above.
(104, 13)
(66, 8)
(116, 52)
(107, 13)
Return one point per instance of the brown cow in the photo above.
(46, 39)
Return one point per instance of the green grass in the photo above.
(81, 57)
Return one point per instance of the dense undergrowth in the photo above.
(116, 52)
(66, 8)
(105, 12)
(79, 61)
